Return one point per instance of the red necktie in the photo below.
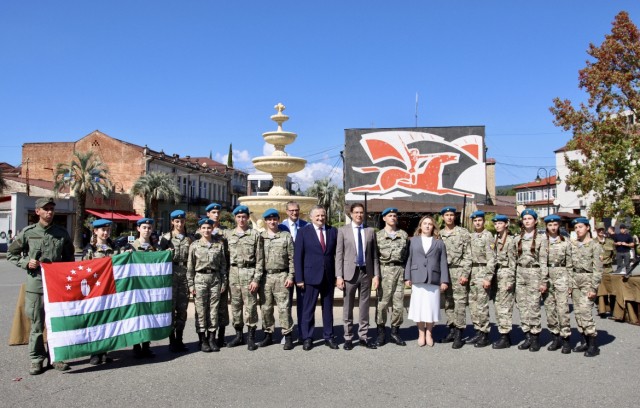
(322, 244)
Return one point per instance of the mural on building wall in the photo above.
(421, 164)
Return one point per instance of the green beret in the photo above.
(42, 201)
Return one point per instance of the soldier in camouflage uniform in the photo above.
(555, 264)
(393, 244)
(505, 280)
(605, 293)
(586, 276)
(178, 241)
(482, 270)
(100, 246)
(246, 255)
(529, 281)
(458, 243)
(42, 242)
(277, 279)
(207, 278)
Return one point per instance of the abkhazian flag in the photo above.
(106, 304)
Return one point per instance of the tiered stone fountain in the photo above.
(279, 164)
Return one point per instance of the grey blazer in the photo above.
(346, 253)
(427, 268)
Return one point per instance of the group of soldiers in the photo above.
(247, 268)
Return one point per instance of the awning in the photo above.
(115, 215)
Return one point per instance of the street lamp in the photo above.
(548, 174)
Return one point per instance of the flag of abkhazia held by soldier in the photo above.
(106, 304)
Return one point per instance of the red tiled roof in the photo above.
(532, 184)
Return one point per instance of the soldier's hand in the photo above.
(340, 283)
(33, 264)
(486, 284)
(253, 287)
(223, 288)
(408, 283)
(193, 292)
(463, 280)
(543, 288)
(509, 288)
(591, 295)
(375, 282)
(288, 283)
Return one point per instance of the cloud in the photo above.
(240, 158)
(267, 149)
(317, 171)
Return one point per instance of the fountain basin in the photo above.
(284, 164)
(259, 204)
(279, 138)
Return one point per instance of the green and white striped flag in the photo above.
(106, 304)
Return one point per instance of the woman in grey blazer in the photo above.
(428, 275)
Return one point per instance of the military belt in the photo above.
(393, 263)
(474, 264)
(529, 265)
(581, 270)
(207, 271)
(555, 265)
(277, 270)
(176, 263)
(244, 265)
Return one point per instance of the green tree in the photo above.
(85, 174)
(230, 156)
(327, 194)
(604, 129)
(153, 187)
(3, 183)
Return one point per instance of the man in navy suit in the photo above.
(292, 224)
(314, 261)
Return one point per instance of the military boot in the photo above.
(457, 339)
(582, 346)
(205, 347)
(180, 346)
(395, 336)
(288, 342)
(535, 342)
(146, 350)
(137, 351)
(566, 346)
(266, 341)
(472, 340)
(592, 349)
(36, 368)
(238, 340)
(213, 344)
(526, 343)
(251, 339)
(220, 341)
(503, 343)
(483, 340)
(380, 341)
(172, 342)
(555, 343)
(450, 335)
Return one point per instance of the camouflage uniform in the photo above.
(247, 265)
(207, 274)
(555, 264)
(180, 300)
(586, 276)
(139, 246)
(605, 301)
(278, 266)
(46, 244)
(528, 281)
(98, 251)
(393, 251)
(506, 282)
(483, 268)
(458, 244)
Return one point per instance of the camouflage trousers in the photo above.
(207, 300)
(223, 311)
(504, 302)
(556, 302)
(479, 300)
(239, 280)
(390, 294)
(34, 310)
(582, 305)
(528, 299)
(455, 299)
(180, 298)
(272, 289)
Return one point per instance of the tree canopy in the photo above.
(155, 186)
(604, 128)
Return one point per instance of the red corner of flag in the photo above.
(71, 281)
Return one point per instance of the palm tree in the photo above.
(85, 174)
(326, 193)
(3, 184)
(153, 187)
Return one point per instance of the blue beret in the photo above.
(477, 214)
(213, 206)
(447, 209)
(241, 209)
(144, 221)
(101, 223)
(530, 212)
(580, 220)
(271, 212)
(552, 218)
(178, 214)
(205, 221)
(389, 210)
(500, 217)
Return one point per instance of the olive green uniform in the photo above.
(605, 292)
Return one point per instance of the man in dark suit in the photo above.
(292, 224)
(314, 261)
(357, 268)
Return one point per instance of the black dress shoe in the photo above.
(331, 343)
(307, 345)
(348, 345)
(365, 343)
